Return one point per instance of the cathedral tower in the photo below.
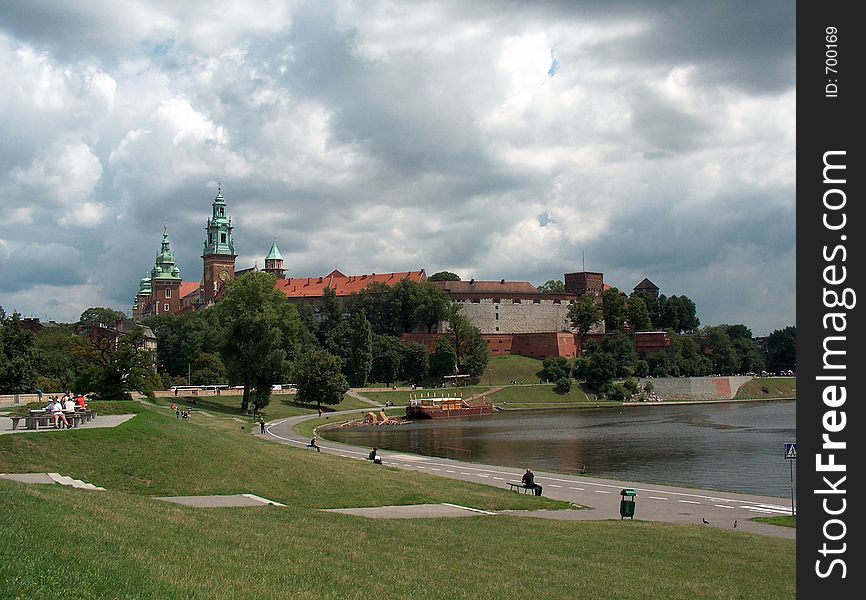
(219, 251)
(274, 262)
(165, 280)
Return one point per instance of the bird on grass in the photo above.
(705, 521)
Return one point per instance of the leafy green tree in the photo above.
(319, 378)
(432, 306)
(415, 362)
(782, 350)
(387, 357)
(638, 316)
(59, 357)
(689, 361)
(613, 309)
(716, 345)
(444, 276)
(562, 386)
(361, 350)
(658, 364)
(377, 302)
(443, 361)
(584, 314)
(407, 297)
(738, 331)
(469, 347)
(653, 306)
(555, 367)
(207, 369)
(749, 356)
(262, 333)
(118, 366)
(621, 348)
(600, 370)
(641, 368)
(330, 314)
(552, 286)
(18, 357)
(99, 316)
(678, 313)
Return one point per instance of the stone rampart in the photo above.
(697, 388)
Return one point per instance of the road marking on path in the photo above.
(499, 478)
(601, 491)
(478, 510)
(449, 471)
(434, 469)
(657, 498)
(462, 473)
(550, 484)
(421, 467)
(723, 506)
(581, 489)
(688, 501)
(482, 475)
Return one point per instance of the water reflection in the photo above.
(735, 447)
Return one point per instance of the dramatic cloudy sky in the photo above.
(491, 139)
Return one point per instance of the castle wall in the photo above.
(516, 315)
(697, 388)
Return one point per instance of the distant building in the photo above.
(647, 287)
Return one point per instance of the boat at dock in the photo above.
(452, 407)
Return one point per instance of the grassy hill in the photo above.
(769, 387)
(121, 543)
(505, 369)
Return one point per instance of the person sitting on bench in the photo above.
(529, 482)
(374, 456)
(59, 416)
(313, 444)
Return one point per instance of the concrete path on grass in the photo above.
(95, 423)
(662, 503)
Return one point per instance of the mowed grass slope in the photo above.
(155, 454)
(114, 545)
(768, 387)
(123, 544)
(505, 369)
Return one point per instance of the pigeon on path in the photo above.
(705, 521)
(735, 524)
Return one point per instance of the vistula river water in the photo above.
(735, 447)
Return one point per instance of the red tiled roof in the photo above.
(188, 287)
(487, 287)
(343, 285)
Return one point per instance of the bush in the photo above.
(616, 392)
(641, 368)
(563, 385)
(555, 368)
(649, 388)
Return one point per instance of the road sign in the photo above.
(791, 451)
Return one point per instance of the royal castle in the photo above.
(513, 316)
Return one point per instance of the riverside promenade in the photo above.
(601, 496)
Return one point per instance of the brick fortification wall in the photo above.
(697, 388)
(535, 345)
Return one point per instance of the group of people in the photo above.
(59, 407)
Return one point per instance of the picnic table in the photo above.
(520, 486)
(44, 418)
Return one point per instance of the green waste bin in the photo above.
(626, 505)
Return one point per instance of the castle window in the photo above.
(497, 329)
(496, 301)
(536, 301)
(476, 301)
(557, 301)
(168, 293)
(497, 316)
(165, 307)
(222, 212)
(515, 300)
(222, 238)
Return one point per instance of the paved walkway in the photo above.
(662, 503)
(94, 423)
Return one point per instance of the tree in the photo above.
(749, 356)
(689, 361)
(319, 378)
(414, 362)
(638, 316)
(600, 370)
(678, 313)
(406, 295)
(99, 316)
(444, 276)
(59, 357)
(552, 286)
(658, 364)
(584, 313)
(621, 349)
(330, 314)
(207, 369)
(378, 304)
(118, 366)
(469, 347)
(443, 361)
(387, 356)
(716, 345)
(262, 333)
(555, 367)
(361, 350)
(18, 357)
(614, 309)
(563, 385)
(432, 306)
(782, 350)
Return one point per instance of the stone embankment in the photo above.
(697, 388)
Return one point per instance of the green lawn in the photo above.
(122, 544)
(787, 521)
(505, 369)
(536, 394)
(281, 405)
(768, 387)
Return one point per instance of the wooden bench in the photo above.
(520, 486)
(15, 421)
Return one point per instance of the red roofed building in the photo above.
(313, 288)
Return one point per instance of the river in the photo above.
(736, 446)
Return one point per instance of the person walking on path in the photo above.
(262, 423)
(529, 482)
(39, 394)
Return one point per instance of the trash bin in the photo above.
(626, 505)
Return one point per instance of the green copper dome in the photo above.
(274, 253)
(165, 267)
